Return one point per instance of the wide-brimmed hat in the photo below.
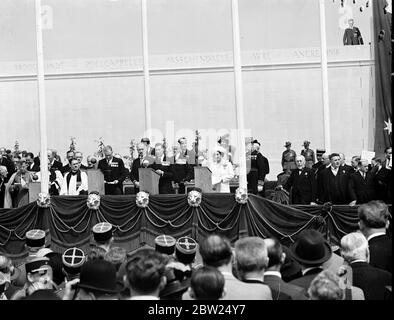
(99, 275)
(311, 248)
(287, 144)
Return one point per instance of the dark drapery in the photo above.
(383, 60)
(69, 221)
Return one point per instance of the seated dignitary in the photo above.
(373, 281)
(302, 183)
(362, 185)
(216, 252)
(143, 161)
(207, 283)
(222, 171)
(311, 251)
(114, 172)
(373, 223)
(103, 235)
(273, 276)
(325, 286)
(75, 181)
(145, 274)
(334, 182)
(163, 166)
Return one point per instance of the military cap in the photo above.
(255, 141)
(37, 264)
(287, 143)
(73, 259)
(186, 249)
(102, 231)
(165, 244)
(306, 143)
(35, 238)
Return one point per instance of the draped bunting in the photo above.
(69, 221)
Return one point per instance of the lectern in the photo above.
(95, 181)
(149, 180)
(202, 178)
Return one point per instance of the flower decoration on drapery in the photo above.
(142, 199)
(44, 200)
(194, 198)
(241, 195)
(93, 201)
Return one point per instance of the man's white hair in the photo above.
(354, 246)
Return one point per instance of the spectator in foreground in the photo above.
(325, 286)
(207, 283)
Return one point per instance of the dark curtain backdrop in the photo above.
(68, 221)
(383, 66)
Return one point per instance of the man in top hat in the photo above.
(257, 167)
(75, 181)
(38, 276)
(288, 157)
(102, 235)
(114, 172)
(309, 154)
(165, 244)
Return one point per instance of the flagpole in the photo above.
(239, 94)
(41, 101)
(324, 75)
(145, 56)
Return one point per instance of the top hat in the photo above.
(306, 143)
(165, 244)
(99, 275)
(102, 231)
(287, 144)
(311, 248)
(37, 264)
(35, 238)
(73, 259)
(186, 249)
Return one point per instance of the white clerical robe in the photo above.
(74, 189)
(222, 173)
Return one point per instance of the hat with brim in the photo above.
(311, 248)
(287, 143)
(174, 287)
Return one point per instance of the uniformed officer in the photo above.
(309, 155)
(256, 167)
(288, 157)
(102, 235)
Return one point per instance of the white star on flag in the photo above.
(388, 126)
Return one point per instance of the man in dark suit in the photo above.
(165, 168)
(4, 161)
(79, 157)
(144, 160)
(69, 155)
(149, 150)
(344, 166)
(257, 168)
(114, 172)
(382, 180)
(32, 167)
(373, 281)
(334, 182)
(273, 276)
(55, 165)
(352, 35)
(362, 185)
(374, 220)
(303, 184)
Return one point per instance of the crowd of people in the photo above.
(252, 268)
(306, 179)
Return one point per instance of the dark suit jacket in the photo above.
(9, 165)
(371, 280)
(184, 171)
(165, 182)
(277, 285)
(305, 281)
(336, 193)
(381, 252)
(115, 171)
(257, 167)
(303, 186)
(137, 163)
(382, 183)
(360, 189)
(352, 37)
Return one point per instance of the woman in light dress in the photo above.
(222, 171)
